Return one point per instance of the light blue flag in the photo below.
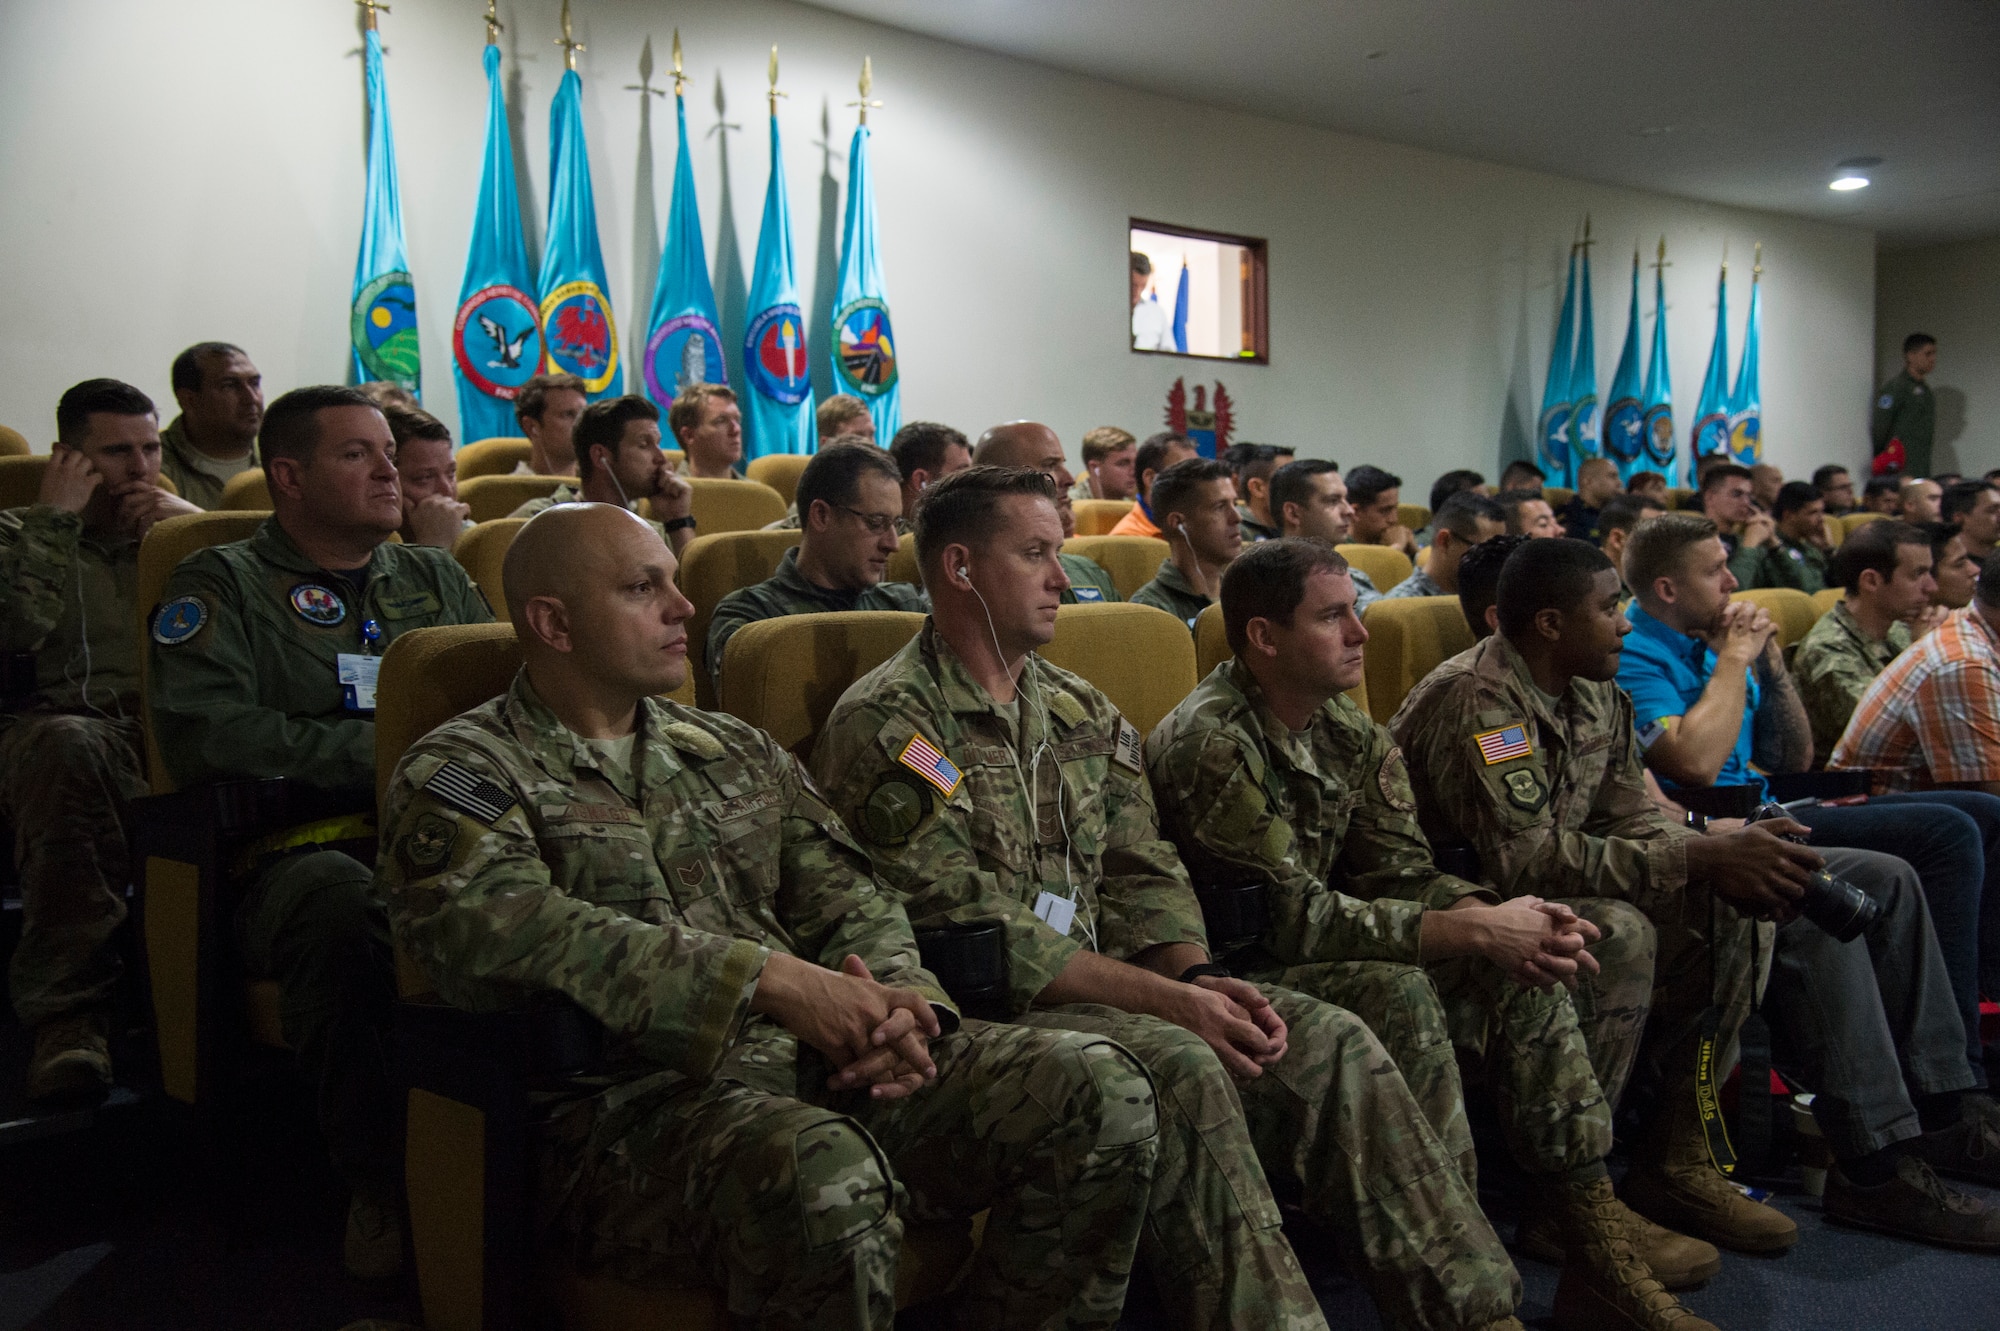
(778, 408)
(496, 340)
(1553, 440)
(1746, 406)
(684, 333)
(1181, 311)
(1583, 375)
(1711, 411)
(864, 344)
(383, 319)
(578, 331)
(1624, 414)
(1657, 433)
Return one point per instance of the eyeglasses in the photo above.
(877, 524)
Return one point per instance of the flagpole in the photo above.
(494, 27)
(368, 8)
(568, 43)
(867, 85)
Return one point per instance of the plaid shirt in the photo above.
(1935, 710)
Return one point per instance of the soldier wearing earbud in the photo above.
(1195, 504)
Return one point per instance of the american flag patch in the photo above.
(929, 764)
(469, 792)
(1497, 746)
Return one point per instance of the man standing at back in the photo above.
(988, 785)
(71, 753)
(221, 396)
(264, 656)
(1905, 416)
(849, 500)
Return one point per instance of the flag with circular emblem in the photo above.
(864, 345)
(496, 339)
(382, 321)
(778, 408)
(579, 335)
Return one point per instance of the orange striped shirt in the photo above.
(1935, 711)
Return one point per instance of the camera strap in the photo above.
(1755, 1108)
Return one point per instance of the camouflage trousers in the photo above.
(1658, 974)
(1332, 1117)
(64, 785)
(310, 922)
(1523, 1044)
(796, 1209)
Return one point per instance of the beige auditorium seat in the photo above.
(1385, 565)
(1096, 517)
(246, 490)
(1132, 561)
(1407, 639)
(785, 675)
(780, 471)
(1211, 649)
(13, 444)
(1139, 657)
(713, 566)
(497, 456)
(491, 497)
(723, 506)
(1414, 516)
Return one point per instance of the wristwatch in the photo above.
(678, 524)
(1193, 973)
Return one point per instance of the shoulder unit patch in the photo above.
(1131, 751)
(178, 620)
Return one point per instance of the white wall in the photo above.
(174, 173)
(1951, 292)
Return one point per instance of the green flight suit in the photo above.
(1800, 565)
(71, 753)
(972, 842)
(1570, 820)
(1905, 410)
(193, 471)
(1171, 591)
(790, 592)
(1833, 665)
(651, 886)
(1324, 818)
(245, 684)
(1089, 584)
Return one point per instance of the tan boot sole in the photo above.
(1539, 1241)
(1660, 1206)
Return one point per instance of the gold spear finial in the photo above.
(568, 43)
(867, 86)
(1757, 263)
(494, 27)
(680, 79)
(775, 94)
(1661, 262)
(1725, 259)
(368, 8)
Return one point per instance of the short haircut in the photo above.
(1825, 477)
(1960, 497)
(1461, 513)
(1268, 580)
(1141, 264)
(186, 373)
(1511, 502)
(1793, 496)
(1723, 471)
(833, 476)
(963, 508)
(1176, 487)
(1987, 589)
(1545, 575)
(1102, 442)
(922, 445)
(1643, 480)
(1658, 546)
(836, 411)
(602, 425)
(1479, 578)
(1153, 452)
(1365, 484)
(92, 397)
(291, 424)
(690, 406)
(1293, 484)
(1939, 534)
(1540, 476)
(533, 396)
(389, 396)
(1917, 342)
(1625, 512)
(1449, 484)
(406, 425)
(1881, 485)
(1595, 464)
(1873, 545)
(1255, 461)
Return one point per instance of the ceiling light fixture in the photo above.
(1852, 174)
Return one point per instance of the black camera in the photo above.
(1832, 903)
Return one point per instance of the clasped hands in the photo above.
(876, 1036)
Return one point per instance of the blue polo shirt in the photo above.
(1665, 671)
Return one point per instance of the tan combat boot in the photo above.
(72, 1062)
(1605, 1286)
(1674, 1183)
(1676, 1261)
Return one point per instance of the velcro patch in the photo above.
(470, 793)
(1131, 751)
(1393, 780)
(897, 808)
(920, 757)
(690, 738)
(1504, 744)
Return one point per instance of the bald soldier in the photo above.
(785, 1081)
(988, 785)
(1035, 446)
(1267, 774)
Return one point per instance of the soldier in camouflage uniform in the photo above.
(70, 749)
(1886, 568)
(1032, 444)
(1194, 503)
(771, 1113)
(852, 496)
(1524, 749)
(1266, 774)
(1030, 808)
(263, 659)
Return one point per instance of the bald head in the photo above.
(1018, 444)
(563, 549)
